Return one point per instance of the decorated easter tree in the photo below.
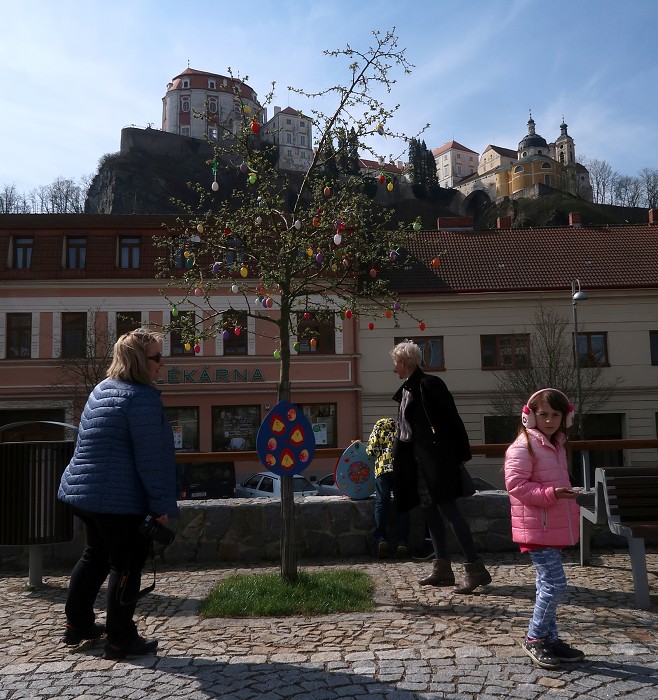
(285, 248)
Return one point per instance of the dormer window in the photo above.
(211, 85)
(186, 83)
(518, 169)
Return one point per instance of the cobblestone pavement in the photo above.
(420, 642)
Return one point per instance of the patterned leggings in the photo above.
(551, 586)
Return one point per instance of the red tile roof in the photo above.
(506, 260)
(452, 145)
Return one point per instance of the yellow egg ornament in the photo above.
(243, 271)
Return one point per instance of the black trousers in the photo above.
(114, 547)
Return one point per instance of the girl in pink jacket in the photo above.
(545, 517)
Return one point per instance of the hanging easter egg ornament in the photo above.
(255, 127)
(295, 346)
(389, 187)
(243, 271)
(348, 313)
(259, 220)
(252, 178)
(216, 267)
(397, 306)
(417, 225)
(373, 273)
(237, 330)
(199, 228)
(234, 288)
(187, 254)
(309, 252)
(174, 312)
(319, 258)
(188, 347)
(382, 179)
(338, 239)
(197, 349)
(316, 222)
(313, 342)
(285, 441)
(380, 129)
(307, 315)
(327, 191)
(225, 334)
(276, 354)
(298, 224)
(244, 168)
(421, 325)
(393, 254)
(269, 303)
(388, 313)
(435, 263)
(198, 292)
(215, 186)
(371, 326)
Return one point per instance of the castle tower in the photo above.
(564, 147)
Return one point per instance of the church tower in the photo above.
(564, 149)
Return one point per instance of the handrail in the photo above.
(489, 450)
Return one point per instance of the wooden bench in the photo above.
(626, 499)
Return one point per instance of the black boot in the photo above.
(474, 575)
(441, 575)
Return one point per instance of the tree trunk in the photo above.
(288, 540)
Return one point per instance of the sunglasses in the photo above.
(156, 358)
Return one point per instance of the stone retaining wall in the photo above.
(326, 526)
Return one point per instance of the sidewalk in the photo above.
(421, 642)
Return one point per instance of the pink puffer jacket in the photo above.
(538, 517)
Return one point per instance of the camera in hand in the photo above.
(152, 529)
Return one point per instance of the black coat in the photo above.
(438, 453)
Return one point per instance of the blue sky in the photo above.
(76, 73)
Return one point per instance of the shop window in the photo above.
(128, 321)
(322, 417)
(505, 351)
(653, 345)
(19, 336)
(431, 348)
(316, 333)
(74, 334)
(76, 252)
(234, 333)
(593, 350)
(234, 251)
(129, 252)
(235, 428)
(185, 424)
(182, 330)
(22, 259)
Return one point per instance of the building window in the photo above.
(234, 333)
(178, 259)
(518, 169)
(234, 251)
(182, 328)
(653, 345)
(185, 104)
(128, 321)
(185, 424)
(22, 253)
(302, 140)
(316, 333)
(211, 85)
(288, 121)
(322, 417)
(74, 334)
(186, 83)
(500, 430)
(234, 428)
(593, 349)
(212, 106)
(547, 180)
(302, 123)
(431, 348)
(288, 138)
(185, 131)
(129, 252)
(19, 335)
(546, 166)
(213, 133)
(76, 252)
(505, 351)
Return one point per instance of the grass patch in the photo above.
(319, 593)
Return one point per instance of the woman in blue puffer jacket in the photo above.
(122, 470)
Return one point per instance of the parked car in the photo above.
(483, 485)
(268, 485)
(327, 486)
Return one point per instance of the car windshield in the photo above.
(299, 483)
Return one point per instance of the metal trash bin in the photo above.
(30, 512)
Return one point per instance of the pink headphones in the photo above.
(528, 415)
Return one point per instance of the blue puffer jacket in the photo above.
(124, 457)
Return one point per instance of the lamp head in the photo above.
(579, 296)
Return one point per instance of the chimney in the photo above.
(504, 222)
(276, 110)
(575, 219)
(653, 217)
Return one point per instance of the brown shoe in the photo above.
(474, 575)
(442, 574)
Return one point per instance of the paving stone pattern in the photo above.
(420, 642)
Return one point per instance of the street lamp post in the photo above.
(577, 295)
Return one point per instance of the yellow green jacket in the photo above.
(380, 445)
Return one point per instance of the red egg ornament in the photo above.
(371, 326)
(348, 313)
(421, 325)
(373, 273)
(255, 127)
(435, 263)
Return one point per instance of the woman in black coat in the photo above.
(431, 446)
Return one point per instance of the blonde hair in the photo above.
(129, 361)
(409, 353)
